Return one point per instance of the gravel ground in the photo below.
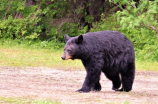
(59, 85)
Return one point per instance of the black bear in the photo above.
(109, 52)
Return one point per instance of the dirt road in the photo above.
(52, 84)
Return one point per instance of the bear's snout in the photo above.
(66, 56)
(62, 57)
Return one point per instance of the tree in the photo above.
(143, 13)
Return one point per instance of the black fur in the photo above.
(109, 52)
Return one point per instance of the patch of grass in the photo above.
(38, 53)
(45, 102)
(9, 100)
(146, 66)
(36, 57)
(126, 102)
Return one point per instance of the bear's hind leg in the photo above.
(97, 87)
(115, 81)
(128, 78)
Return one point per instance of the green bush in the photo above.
(18, 21)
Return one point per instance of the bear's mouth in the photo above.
(68, 57)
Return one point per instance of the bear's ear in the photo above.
(66, 37)
(79, 39)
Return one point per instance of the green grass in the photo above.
(21, 54)
(36, 57)
(146, 66)
(9, 100)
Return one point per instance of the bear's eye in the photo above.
(68, 50)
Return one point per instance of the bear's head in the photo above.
(72, 48)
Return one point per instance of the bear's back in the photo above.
(109, 39)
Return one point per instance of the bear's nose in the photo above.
(63, 57)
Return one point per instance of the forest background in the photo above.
(43, 23)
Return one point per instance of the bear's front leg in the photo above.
(93, 69)
(90, 81)
(97, 87)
